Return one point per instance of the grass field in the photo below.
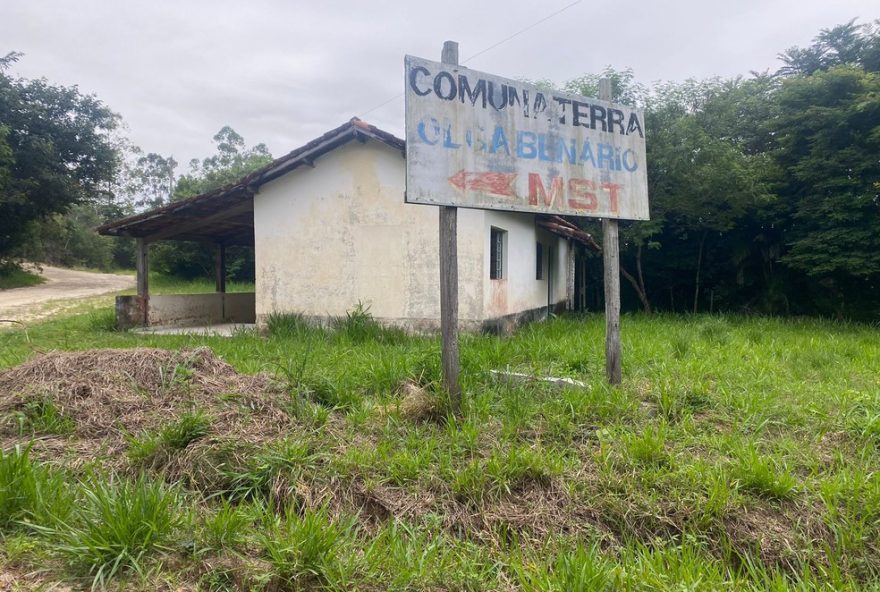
(739, 454)
(163, 284)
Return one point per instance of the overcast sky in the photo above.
(284, 72)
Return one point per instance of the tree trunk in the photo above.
(699, 266)
(646, 304)
(638, 282)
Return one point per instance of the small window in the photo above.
(496, 253)
(539, 261)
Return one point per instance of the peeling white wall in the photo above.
(519, 290)
(340, 233)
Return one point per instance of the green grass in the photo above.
(15, 277)
(29, 492)
(42, 416)
(306, 552)
(155, 447)
(115, 526)
(163, 284)
(738, 454)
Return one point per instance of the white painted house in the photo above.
(330, 230)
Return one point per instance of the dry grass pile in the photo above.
(107, 397)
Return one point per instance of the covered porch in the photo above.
(221, 219)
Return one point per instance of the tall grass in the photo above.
(115, 526)
(306, 552)
(30, 493)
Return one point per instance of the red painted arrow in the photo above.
(500, 184)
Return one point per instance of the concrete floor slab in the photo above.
(220, 330)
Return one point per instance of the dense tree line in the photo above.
(765, 192)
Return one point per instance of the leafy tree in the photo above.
(152, 180)
(231, 162)
(56, 150)
(829, 139)
(849, 44)
(634, 237)
(70, 240)
(624, 87)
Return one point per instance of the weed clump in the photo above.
(116, 525)
(270, 474)
(759, 475)
(288, 325)
(42, 416)
(305, 551)
(359, 326)
(151, 447)
(503, 473)
(29, 492)
(582, 569)
(648, 447)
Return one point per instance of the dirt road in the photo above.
(63, 288)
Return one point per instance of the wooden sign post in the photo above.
(611, 265)
(449, 281)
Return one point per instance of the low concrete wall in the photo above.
(186, 309)
(130, 312)
(240, 307)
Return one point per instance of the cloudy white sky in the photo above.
(284, 71)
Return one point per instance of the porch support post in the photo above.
(220, 268)
(142, 264)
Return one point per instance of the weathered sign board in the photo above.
(475, 140)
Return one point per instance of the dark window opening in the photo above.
(539, 261)
(496, 254)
